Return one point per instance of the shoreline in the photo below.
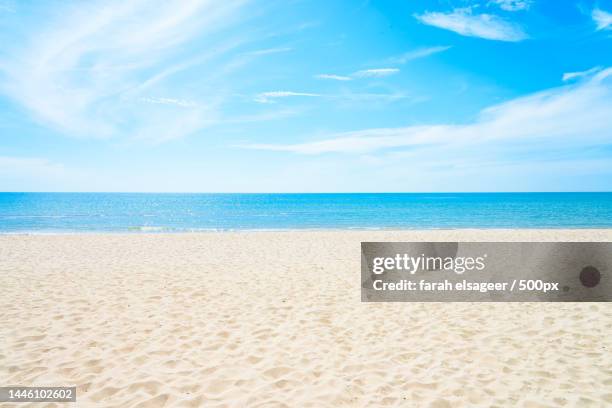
(170, 232)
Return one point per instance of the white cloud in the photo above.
(171, 101)
(346, 97)
(376, 72)
(568, 76)
(366, 73)
(85, 71)
(464, 22)
(575, 116)
(268, 51)
(334, 77)
(380, 72)
(602, 19)
(268, 97)
(419, 53)
(512, 5)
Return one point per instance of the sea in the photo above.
(152, 212)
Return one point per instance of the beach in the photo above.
(274, 319)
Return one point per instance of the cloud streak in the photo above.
(269, 97)
(380, 72)
(464, 22)
(375, 73)
(86, 72)
(365, 73)
(171, 101)
(569, 76)
(419, 53)
(268, 51)
(334, 77)
(569, 116)
(273, 96)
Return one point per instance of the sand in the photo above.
(273, 319)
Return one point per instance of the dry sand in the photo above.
(267, 319)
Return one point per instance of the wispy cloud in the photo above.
(268, 51)
(365, 73)
(381, 72)
(568, 76)
(86, 71)
(419, 53)
(171, 101)
(376, 72)
(344, 97)
(602, 19)
(334, 77)
(463, 21)
(570, 116)
(269, 97)
(512, 5)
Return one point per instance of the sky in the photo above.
(306, 96)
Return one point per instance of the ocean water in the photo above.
(117, 212)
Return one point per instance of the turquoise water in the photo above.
(69, 212)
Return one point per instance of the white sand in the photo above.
(274, 319)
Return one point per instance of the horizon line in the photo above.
(311, 192)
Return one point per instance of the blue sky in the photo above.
(306, 96)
